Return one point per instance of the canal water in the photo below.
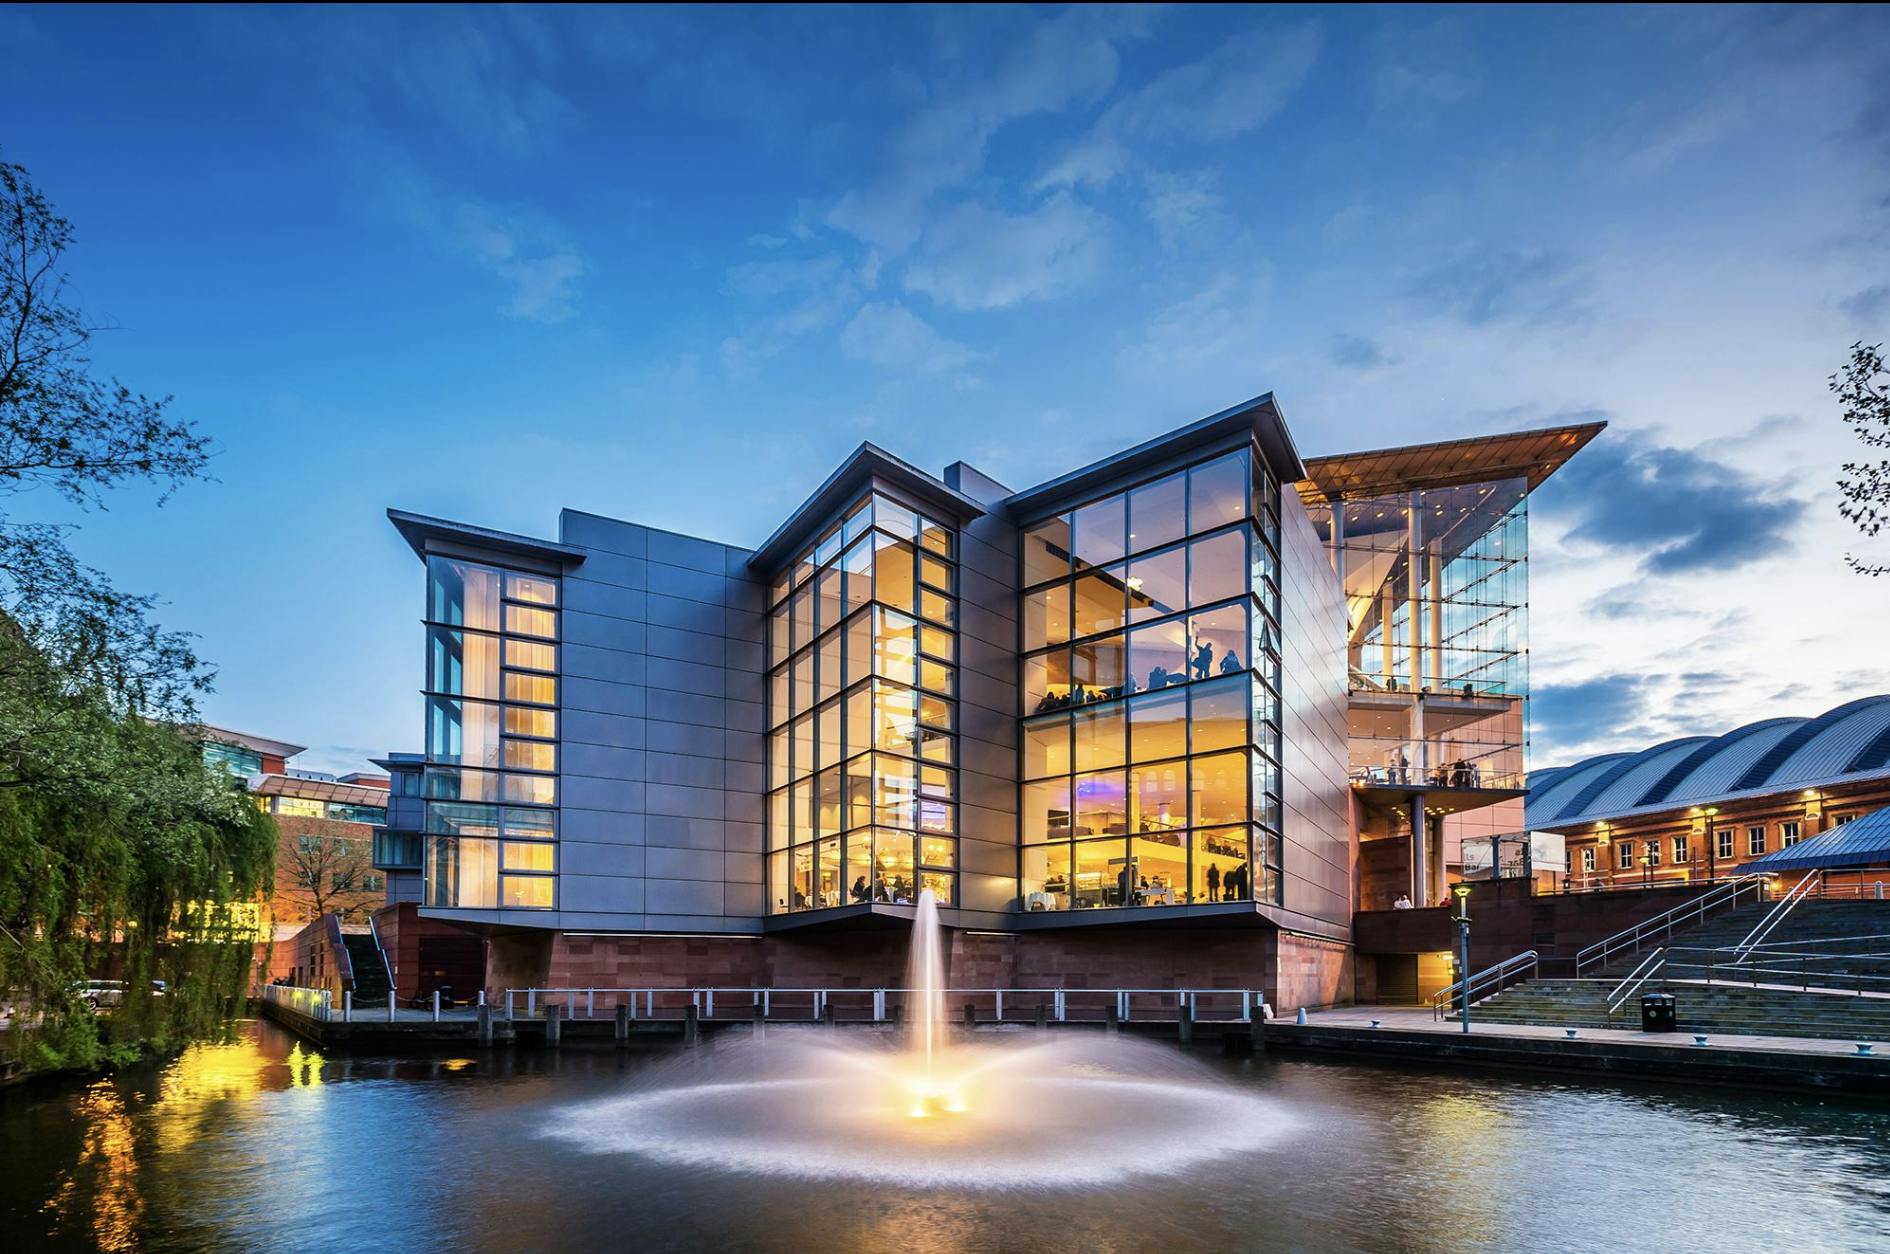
(263, 1144)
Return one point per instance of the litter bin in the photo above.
(1657, 1013)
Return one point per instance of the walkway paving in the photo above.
(1418, 1019)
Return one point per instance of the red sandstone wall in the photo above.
(1311, 973)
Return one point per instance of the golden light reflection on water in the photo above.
(108, 1155)
(102, 1186)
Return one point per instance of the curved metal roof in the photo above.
(1852, 740)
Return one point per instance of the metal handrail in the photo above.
(1691, 911)
(1776, 915)
(1769, 962)
(1650, 966)
(1482, 980)
(642, 1003)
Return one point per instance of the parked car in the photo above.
(101, 994)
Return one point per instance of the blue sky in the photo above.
(673, 265)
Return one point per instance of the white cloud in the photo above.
(1217, 326)
(1178, 204)
(888, 335)
(982, 258)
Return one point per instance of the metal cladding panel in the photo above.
(1831, 749)
(1315, 796)
(1563, 785)
(1864, 842)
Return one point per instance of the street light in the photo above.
(1712, 843)
(1462, 893)
(1647, 867)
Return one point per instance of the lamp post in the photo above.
(1712, 842)
(1462, 894)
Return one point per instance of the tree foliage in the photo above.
(325, 869)
(121, 854)
(1863, 389)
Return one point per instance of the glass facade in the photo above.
(862, 712)
(1437, 589)
(1150, 680)
(490, 780)
(309, 807)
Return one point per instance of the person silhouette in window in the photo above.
(1230, 664)
(1204, 660)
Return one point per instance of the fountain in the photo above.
(997, 1110)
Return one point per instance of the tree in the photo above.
(1863, 389)
(119, 848)
(326, 867)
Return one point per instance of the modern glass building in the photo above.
(1149, 713)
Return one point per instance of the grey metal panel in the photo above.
(602, 894)
(745, 807)
(697, 803)
(1831, 750)
(691, 677)
(669, 610)
(683, 768)
(710, 588)
(675, 831)
(741, 746)
(594, 531)
(743, 838)
(584, 661)
(684, 646)
(1714, 777)
(604, 600)
(577, 758)
(743, 715)
(578, 857)
(744, 655)
(618, 731)
(665, 862)
(616, 827)
(688, 551)
(668, 705)
(744, 776)
(586, 792)
(1628, 786)
(682, 896)
(616, 570)
(704, 740)
(602, 696)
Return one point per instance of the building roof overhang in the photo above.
(849, 480)
(423, 533)
(1530, 455)
(316, 790)
(1259, 418)
(261, 744)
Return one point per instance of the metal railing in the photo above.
(1631, 939)
(315, 1003)
(1783, 967)
(1487, 982)
(1776, 915)
(1650, 967)
(878, 1005)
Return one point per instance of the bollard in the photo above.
(691, 1028)
(554, 1016)
(1257, 1033)
(971, 1015)
(347, 1005)
(826, 1011)
(1113, 1025)
(1699, 1041)
(1571, 1033)
(390, 1005)
(1300, 1018)
(436, 1004)
(761, 1024)
(623, 1023)
(1041, 1016)
(1377, 1022)
(1184, 1021)
(485, 1024)
(1863, 1047)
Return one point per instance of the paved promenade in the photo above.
(1419, 1019)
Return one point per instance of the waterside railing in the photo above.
(882, 1005)
(314, 1003)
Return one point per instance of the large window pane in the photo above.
(536, 790)
(1046, 810)
(1218, 638)
(1218, 713)
(859, 873)
(828, 889)
(524, 620)
(1101, 739)
(859, 572)
(1047, 616)
(1217, 492)
(893, 868)
(1219, 784)
(896, 646)
(1047, 747)
(537, 589)
(1158, 797)
(1101, 529)
(1047, 876)
(893, 572)
(1220, 864)
(1160, 863)
(1158, 726)
(1046, 550)
(1157, 513)
(458, 818)
(530, 655)
(1217, 567)
(1096, 668)
(1098, 604)
(827, 599)
(462, 593)
(1158, 655)
(463, 732)
(1102, 806)
(1158, 584)
(464, 663)
(1047, 681)
(534, 689)
(530, 856)
(1100, 872)
(530, 755)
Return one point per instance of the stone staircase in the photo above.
(1832, 927)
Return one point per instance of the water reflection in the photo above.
(263, 1143)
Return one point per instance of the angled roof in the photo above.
(844, 485)
(1530, 455)
(261, 744)
(1850, 742)
(316, 789)
(418, 529)
(1861, 842)
(1260, 417)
